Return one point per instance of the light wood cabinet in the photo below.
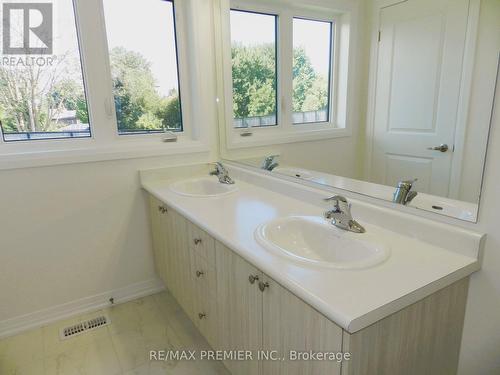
(205, 289)
(238, 308)
(292, 326)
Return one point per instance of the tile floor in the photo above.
(150, 323)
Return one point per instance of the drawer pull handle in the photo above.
(263, 286)
(202, 315)
(162, 209)
(197, 241)
(253, 278)
(199, 273)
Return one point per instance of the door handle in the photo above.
(441, 148)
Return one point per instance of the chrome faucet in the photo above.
(221, 173)
(403, 194)
(270, 162)
(341, 215)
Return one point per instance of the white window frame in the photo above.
(285, 131)
(105, 143)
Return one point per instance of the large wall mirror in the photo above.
(391, 99)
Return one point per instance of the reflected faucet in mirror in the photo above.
(403, 194)
(341, 215)
(417, 115)
(221, 172)
(270, 162)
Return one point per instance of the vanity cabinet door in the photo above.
(178, 262)
(289, 324)
(157, 211)
(205, 307)
(239, 304)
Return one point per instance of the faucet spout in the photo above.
(341, 215)
(222, 174)
(403, 194)
(270, 162)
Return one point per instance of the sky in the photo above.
(147, 27)
(314, 36)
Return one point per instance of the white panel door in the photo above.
(418, 82)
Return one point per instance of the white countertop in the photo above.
(353, 299)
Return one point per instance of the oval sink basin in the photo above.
(294, 172)
(202, 187)
(314, 240)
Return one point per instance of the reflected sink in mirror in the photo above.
(414, 125)
(202, 187)
(315, 241)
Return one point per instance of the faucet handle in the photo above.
(337, 200)
(271, 157)
(407, 184)
(219, 168)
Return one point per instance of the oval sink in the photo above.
(202, 187)
(314, 240)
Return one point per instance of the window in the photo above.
(254, 69)
(312, 61)
(144, 65)
(286, 67)
(42, 92)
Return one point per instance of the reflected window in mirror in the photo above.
(254, 69)
(312, 66)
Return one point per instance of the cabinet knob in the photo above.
(199, 273)
(162, 209)
(263, 286)
(197, 241)
(202, 315)
(253, 278)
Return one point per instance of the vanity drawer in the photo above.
(206, 316)
(203, 274)
(202, 243)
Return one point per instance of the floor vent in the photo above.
(83, 327)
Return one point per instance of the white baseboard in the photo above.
(84, 305)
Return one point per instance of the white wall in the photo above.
(74, 231)
(481, 339)
(487, 49)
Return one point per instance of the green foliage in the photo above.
(254, 82)
(304, 77)
(82, 112)
(138, 104)
(148, 121)
(317, 96)
(66, 94)
(169, 111)
(8, 123)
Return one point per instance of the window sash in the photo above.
(331, 46)
(286, 131)
(276, 73)
(59, 135)
(193, 33)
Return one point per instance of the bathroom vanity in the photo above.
(403, 315)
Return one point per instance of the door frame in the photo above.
(468, 62)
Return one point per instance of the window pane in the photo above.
(143, 56)
(253, 50)
(42, 94)
(311, 70)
